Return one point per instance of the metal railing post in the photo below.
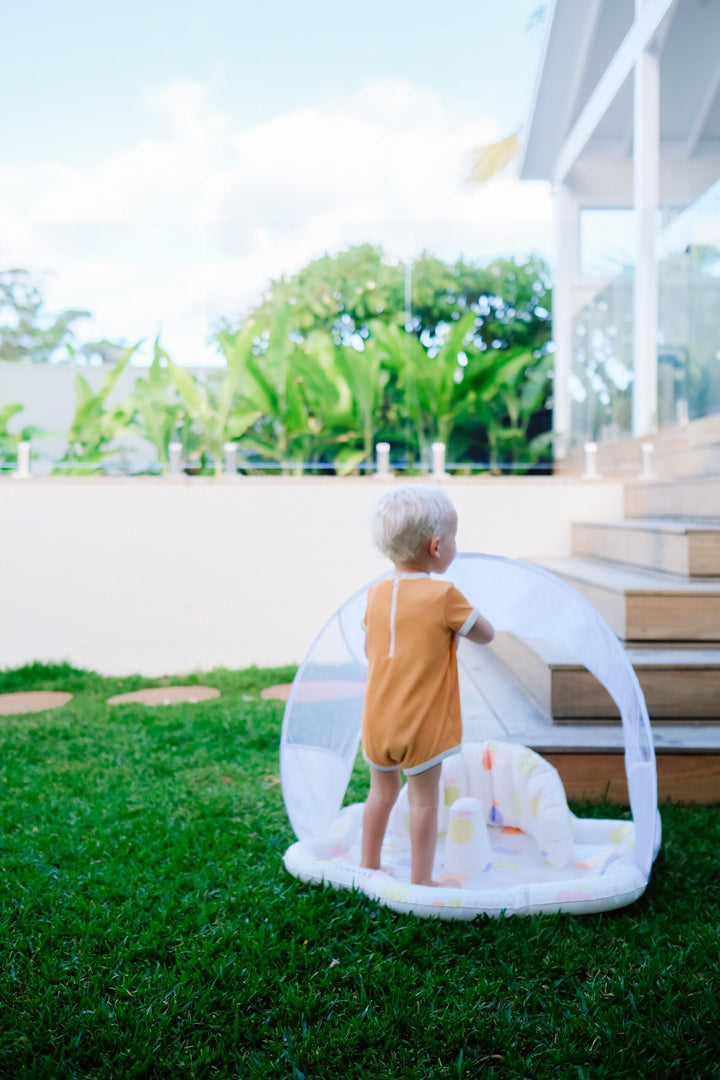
(382, 460)
(23, 471)
(591, 470)
(646, 471)
(230, 459)
(438, 459)
(175, 459)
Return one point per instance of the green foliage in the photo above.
(148, 928)
(338, 366)
(9, 440)
(158, 412)
(339, 294)
(331, 363)
(96, 423)
(27, 330)
(344, 293)
(313, 400)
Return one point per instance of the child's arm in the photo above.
(480, 632)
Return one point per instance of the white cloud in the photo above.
(179, 230)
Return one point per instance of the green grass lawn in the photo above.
(148, 928)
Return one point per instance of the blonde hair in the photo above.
(406, 519)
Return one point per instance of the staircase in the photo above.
(655, 578)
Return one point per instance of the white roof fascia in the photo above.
(699, 123)
(538, 80)
(561, 64)
(580, 53)
(610, 83)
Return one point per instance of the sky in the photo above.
(162, 163)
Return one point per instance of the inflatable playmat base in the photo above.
(506, 838)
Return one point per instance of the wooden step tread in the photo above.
(675, 526)
(680, 547)
(710, 481)
(680, 685)
(644, 605)
(690, 496)
(660, 658)
(669, 739)
(599, 776)
(629, 580)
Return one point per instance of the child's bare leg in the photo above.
(384, 790)
(423, 798)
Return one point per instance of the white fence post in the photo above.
(438, 459)
(646, 471)
(382, 460)
(591, 471)
(23, 462)
(175, 458)
(231, 458)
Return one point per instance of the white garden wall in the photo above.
(159, 576)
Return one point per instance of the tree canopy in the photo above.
(344, 293)
(28, 331)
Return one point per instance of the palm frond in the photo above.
(488, 161)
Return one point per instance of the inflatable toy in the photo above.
(504, 828)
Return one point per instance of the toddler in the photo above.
(411, 718)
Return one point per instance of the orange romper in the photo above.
(411, 717)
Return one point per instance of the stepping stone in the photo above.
(320, 690)
(166, 695)
(280, 692)
(29, 701)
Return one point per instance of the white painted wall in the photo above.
(158, 577)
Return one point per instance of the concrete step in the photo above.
(680, 685)
(643, 605)
(692, 497)
(683, 546)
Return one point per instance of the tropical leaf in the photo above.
(491, 159)
(265, 393)
(237, 381)
(110, 380)
(347, 460)
(186, 385)
(240, 422)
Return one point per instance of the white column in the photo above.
(646, 170)
(567, 268)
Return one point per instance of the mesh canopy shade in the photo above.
(321, 726)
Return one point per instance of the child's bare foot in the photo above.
(377, 869)
(445, 881)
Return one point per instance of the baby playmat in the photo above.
(504, 828)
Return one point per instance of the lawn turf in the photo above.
(148, 928)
